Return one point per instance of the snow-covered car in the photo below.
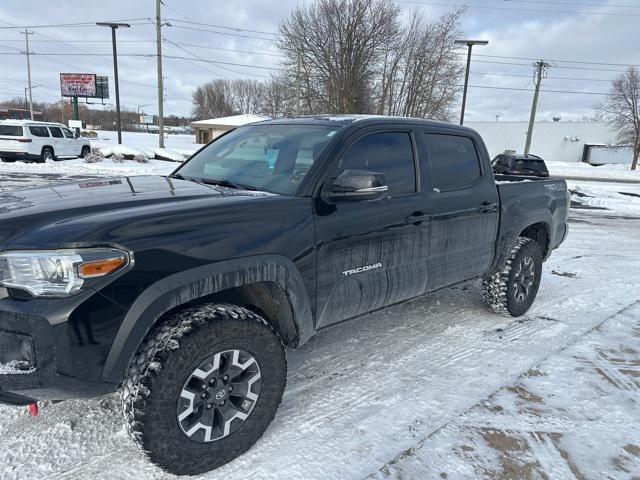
(39, 141)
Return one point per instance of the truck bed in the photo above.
(531, 200)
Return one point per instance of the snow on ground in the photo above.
(579, 170)
(551, 421)
(435, 388)
(618, 198)
(145, 143)
(78, 166)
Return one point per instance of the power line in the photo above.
(513, 99)
(555, 60)
(549, 78)
(222, 33)
(529, 10)
(196, 57)
(603, 5)
(70, 25)
(230, 50)
(546, 91)
(235, 29)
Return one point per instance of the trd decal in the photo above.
(366, 268)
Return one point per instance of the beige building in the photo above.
(207, 130)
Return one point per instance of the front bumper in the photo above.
(45, 354)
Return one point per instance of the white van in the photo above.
(39, 141)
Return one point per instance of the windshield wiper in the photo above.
(221, 183)
(228, 184)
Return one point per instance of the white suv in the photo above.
(39, 141)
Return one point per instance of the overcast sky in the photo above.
(602, 34)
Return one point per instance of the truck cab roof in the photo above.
(363, 120)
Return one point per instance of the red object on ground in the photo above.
(33, 409)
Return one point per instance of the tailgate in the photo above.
(12, 138)
(8, 144)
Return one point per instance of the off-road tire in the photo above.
(85, 151)
(169, 354)
(46, 151)
(499, 290)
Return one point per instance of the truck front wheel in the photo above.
(204, 387)
(512, 290)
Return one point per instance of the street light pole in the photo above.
(26, 39)
(469, 44)
(113, 27)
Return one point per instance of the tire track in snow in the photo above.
(540, 445)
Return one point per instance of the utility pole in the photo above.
(160, 85)
(298, 87)
(541, 70)
(469, 44)
(26, 39)
(114, 27)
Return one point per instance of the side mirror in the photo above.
(76, 135)
(357, 185)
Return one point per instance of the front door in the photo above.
(372, 253)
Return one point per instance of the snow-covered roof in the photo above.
(233, 121)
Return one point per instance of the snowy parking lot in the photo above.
(435, 388)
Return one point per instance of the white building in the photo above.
(207, 130)
(555, 141)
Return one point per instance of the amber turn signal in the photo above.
(100, 268)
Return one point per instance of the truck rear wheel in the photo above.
(512, 290)
(203, 387)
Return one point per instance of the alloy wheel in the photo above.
(523, 279)
(219, 395)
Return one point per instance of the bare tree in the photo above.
(212, 100)
(338, 46)
(278, 99)
(422, 69)
(622, 108)
(247, 95)
(220, 98)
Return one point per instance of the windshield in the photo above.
(274, 158)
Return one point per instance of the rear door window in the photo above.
(39, 131)
(56, 132)
(10, 130)
(454, 161)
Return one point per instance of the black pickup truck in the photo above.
(182, 291)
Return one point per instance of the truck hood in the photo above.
(24, 212)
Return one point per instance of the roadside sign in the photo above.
(75, 123)
(78, 84)
(146, 119)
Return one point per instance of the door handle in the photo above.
(488, 207)
(416, 218)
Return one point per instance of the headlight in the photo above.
(58, 273)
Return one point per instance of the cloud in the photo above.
(511, 33)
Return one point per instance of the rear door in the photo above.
(464, 207)
(39, 137)
(372, 253)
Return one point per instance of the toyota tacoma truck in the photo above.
(182, 291)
